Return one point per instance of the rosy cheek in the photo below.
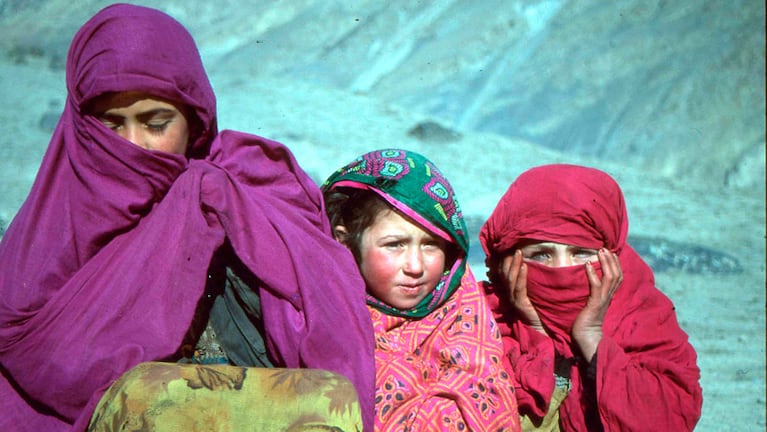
(380, 264)
(436, 263)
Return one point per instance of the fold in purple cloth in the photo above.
(103, 266)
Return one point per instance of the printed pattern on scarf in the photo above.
(443, 372)
(439, 366)
(415, 186)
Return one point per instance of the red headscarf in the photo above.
(559, 203)
(647, 375)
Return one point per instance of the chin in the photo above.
(405, 305)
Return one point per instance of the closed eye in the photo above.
(158, 126)
(157, 120)
(113, 123)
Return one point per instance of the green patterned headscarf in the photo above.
(414, 186)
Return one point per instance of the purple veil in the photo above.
(103, 266)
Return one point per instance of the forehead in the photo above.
(121, 100)
(538, 244)
(391, 220)
(547, 245)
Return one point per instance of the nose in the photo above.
(562, 260)
(413, 262)
(132, 133)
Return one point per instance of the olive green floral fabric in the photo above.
(203, 398)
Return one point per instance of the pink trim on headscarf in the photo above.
(399, 206)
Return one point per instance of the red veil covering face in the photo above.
(104, 264)
(646, 376)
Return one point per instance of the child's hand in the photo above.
(514, 273)
(587, 328)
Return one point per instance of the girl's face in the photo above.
(148, 122)
(400, 261)
(558, 254)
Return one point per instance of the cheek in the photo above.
(435, 262)
(435, 266)
(175, 140)
(377, 267)
(180, 143)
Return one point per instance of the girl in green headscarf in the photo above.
(438, 350)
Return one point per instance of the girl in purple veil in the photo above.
(119, 246)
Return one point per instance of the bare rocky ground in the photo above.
(712, 233)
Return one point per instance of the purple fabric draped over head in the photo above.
(104, 264)
(132, 48)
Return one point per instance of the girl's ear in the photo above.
(341, 235)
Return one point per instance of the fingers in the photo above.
(506, 265)
(591, 274)
(612, 276)
(520, 287)
(514, 272)
(510, 268)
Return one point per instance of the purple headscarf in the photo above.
(103, 266)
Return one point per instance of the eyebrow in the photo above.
(142, 115)
(537, 246)
(582, 248)
(394, 237)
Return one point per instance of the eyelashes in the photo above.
(159, 127)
